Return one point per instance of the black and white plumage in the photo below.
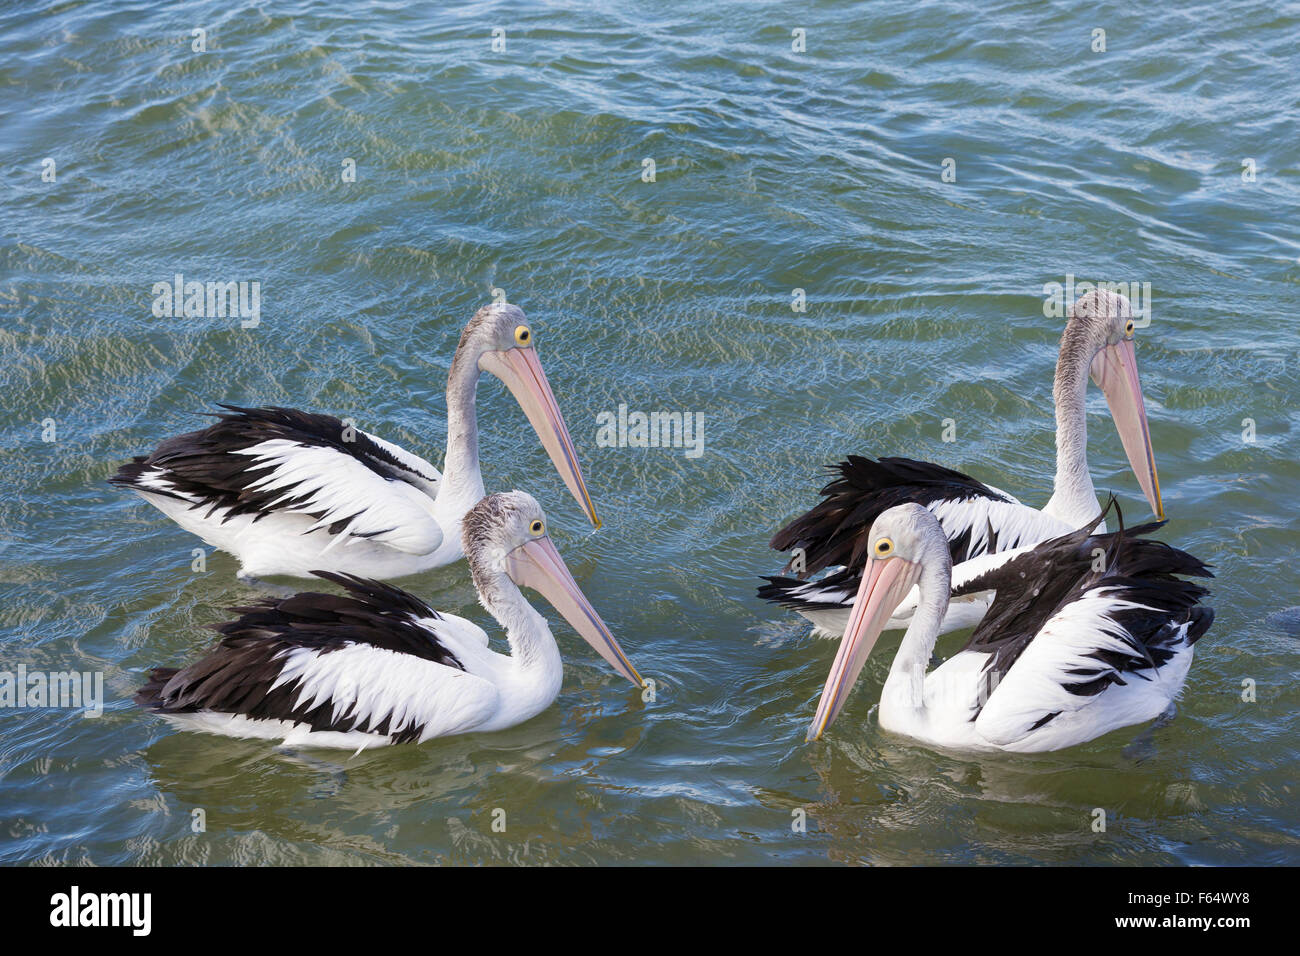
(276, 465)
(378, 666)
(291, 492)
(274, 664)
(980, 521)
(1086, 633)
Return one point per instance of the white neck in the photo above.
(1074, 500)
(462, 482)
(902, 699)
(530, 678)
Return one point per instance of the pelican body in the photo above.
(377, 666)
(984, 525)
(291, 492)
(1086, 633)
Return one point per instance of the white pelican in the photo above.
(378, 666)
(289, 492)
(1065, 654)
(982, 523)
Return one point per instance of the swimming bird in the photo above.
(1087, 632)
(983, 524)
(378, 666)
(290, 492)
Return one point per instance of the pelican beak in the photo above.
(536, 564)
(884, 585)
(521, 371)
(1115, 370)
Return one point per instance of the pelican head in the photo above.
(904, 541)
(1099, 336)
(500, 340)
(505, 535)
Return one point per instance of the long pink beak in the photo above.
(884, 585)
(537, 565)
(521, 371)
(1115, 369)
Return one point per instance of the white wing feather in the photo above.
(372, 684)
(336, 487)
(1013, 523)
(1058, 655)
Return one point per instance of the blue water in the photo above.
(522, 170)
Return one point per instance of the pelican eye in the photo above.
(884, 548)
(523, 334)
(537, 527)
(1128, 329)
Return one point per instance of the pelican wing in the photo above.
(1075, 616)
(834, 531)
(263, 461)
(978, 520)
(370, 661)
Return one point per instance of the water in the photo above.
(522, 171)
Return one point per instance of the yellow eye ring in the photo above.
(537, 528)
(1128, 329)
(523, 335)
(884, 548)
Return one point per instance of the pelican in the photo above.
(290, 492)
(378, 666)
(984, 525)
(1088, 632)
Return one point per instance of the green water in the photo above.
(522, 170)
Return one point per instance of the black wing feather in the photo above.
(237, 675)
(204, 463)
(835, 530)
(1032, 587)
